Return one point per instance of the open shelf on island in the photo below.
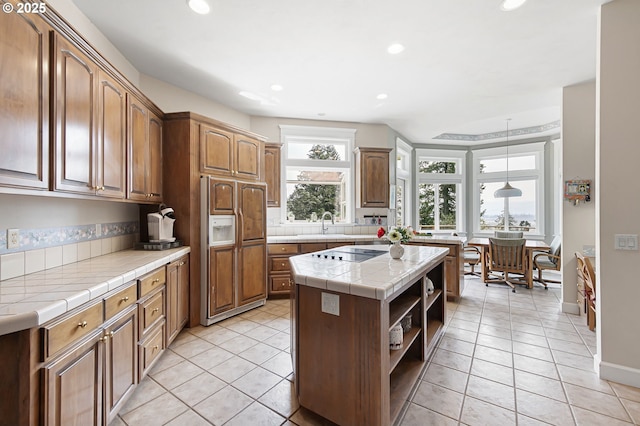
(431, 299)
(400, 307)
(395, 356)
(402, 382)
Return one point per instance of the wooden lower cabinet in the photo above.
(72, 384)
(81, 368)
(177, 308)
(251, 273)
(121, 361)
(222, 263)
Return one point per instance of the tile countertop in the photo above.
(357, 238)
(31, 300)
(376, 278)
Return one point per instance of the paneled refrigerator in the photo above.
(233, 247)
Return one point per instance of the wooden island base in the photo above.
(344, 369)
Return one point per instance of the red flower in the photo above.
(381, 232)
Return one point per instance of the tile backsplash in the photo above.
(44, 248)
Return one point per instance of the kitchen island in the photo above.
(346, 301)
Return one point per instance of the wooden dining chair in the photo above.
(507, 256)
(587, 280)
(548, 261)
(471, 255)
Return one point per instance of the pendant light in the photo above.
(507, 190)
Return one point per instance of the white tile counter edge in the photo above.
(33, 312)
(378, 278)
(333, 238)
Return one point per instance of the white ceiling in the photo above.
(466, 68)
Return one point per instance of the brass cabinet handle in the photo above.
(111, 334)
(282, 264)
(104, 338)
(82, 324)
(157, 280)
(182, 263)
(155, 348)
(155, 310)
(283, 249)
(125, 299)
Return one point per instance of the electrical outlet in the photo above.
(98, 230)
(331, 304)
(13, 238)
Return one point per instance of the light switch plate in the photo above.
(626, 242)
(331, 304)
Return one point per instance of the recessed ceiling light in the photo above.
(276, 87)
(395, 48)
(199, 6)
(509, 5)
(382, 96)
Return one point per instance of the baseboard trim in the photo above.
(617, 373)
(570, 308)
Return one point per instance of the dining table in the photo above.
(530, 247)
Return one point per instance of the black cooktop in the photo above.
(349, 254)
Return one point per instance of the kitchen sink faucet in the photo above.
(324, 230)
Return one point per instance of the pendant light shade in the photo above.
(507, 190)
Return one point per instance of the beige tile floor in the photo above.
(505, 359)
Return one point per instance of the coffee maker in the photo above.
(160, 225)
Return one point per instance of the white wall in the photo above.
(617, 201)
(367, 135)
(174, 99)
(578, 154)
(90, 32)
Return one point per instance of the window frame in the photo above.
(536, 174)
(458, 178)
(404, 152)
(290, 134)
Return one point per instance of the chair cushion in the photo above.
(469, 255)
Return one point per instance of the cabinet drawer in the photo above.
(279, 264)
(282, 248)
(311, 247)
(150, 348)
(67, 330)
(280, 284)
(118, 302)
(152, 281)
(151, 310)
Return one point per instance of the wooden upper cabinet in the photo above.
(224, 153)
(216, 151)
(372, 177)
(222, 196)
(24, 101)
(144, 139)
(75, 89)
(252, 212)
(112, 138)
(248, 156)
(272, 173)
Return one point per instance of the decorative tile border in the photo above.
(38, 238)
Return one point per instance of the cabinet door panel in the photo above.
(252, 280)
(73, 386)
(75, 89)
(216, 151)
(183, 292)
(121, 373)
(252, 211)
(24, 110)
(222, 197)
(154, 167)
(375, 171)
(138, 136)
(248, 157)
(221, 280)
(272, 174)
(111, 152)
